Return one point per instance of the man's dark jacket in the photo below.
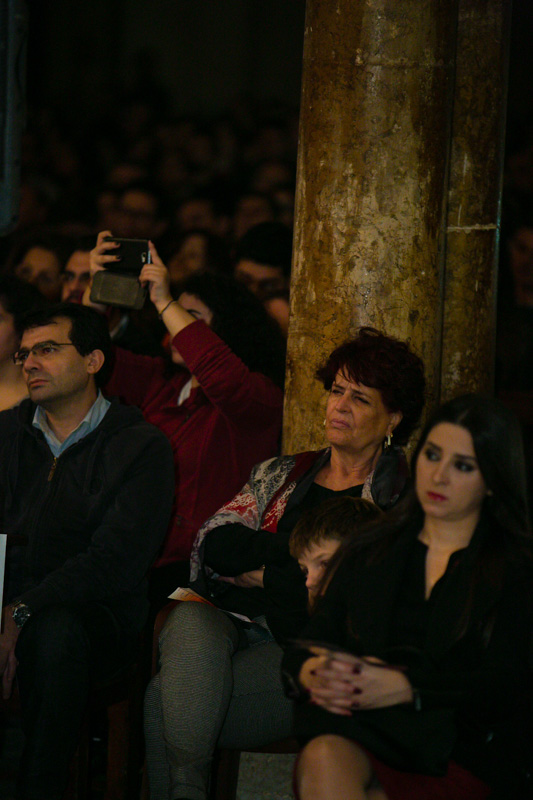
(94, 518)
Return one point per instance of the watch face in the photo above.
(21, 614)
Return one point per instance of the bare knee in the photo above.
(332, 766)
(319, 751)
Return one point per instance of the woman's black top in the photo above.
(467, 651)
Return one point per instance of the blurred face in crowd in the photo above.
(521, 263)
(196, 213)
(41, 268)
(251, 210)
(190, 258)
(8, 336)
(261, 279)
(269, 175)
(137, 215)
(76, 277)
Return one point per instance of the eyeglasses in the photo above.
(42, 350)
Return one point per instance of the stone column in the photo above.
(372, 170)
(473, 229)
(371, 214)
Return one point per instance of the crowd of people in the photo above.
(381, 614)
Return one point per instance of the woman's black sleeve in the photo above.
(234, 548)
(327, 625)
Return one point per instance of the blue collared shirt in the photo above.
(88, 424)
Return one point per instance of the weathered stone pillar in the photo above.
(370, 234)
(474, 197)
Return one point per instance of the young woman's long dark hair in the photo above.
(499, 452)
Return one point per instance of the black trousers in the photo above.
(61, 650)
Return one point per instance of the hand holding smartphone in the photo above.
(118, 285)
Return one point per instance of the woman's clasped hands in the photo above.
(342, 683)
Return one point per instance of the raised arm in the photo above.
(156, 276)
(247, 398)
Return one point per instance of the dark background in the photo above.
(205, 58)
(204, 54)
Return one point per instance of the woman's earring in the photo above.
(325, 420)
(388, 439)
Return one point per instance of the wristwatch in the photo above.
(20, 613)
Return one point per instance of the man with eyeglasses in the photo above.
(89, 484)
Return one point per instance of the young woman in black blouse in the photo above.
(423, 688)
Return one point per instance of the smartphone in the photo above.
(134, 254)
(118, 285)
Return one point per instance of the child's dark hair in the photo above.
(336, 519)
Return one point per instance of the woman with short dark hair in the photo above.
(219, 680)
(386, 364)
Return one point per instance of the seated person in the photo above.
(424, 687)
(89, 484)
(218, 398)
(213, 685)
(313, 542)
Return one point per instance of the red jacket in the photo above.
(228, 424)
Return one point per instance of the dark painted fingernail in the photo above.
(355, 706)
(356, 670)
(313, 672)
(357, 690)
